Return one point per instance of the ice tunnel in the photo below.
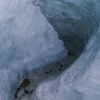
(74, 21)
(54, 45)
(77, 24)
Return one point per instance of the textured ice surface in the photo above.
(27, 42)
(82, 80)
(73, 21)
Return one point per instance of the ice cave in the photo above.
(50, 50)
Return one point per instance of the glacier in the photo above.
(39, 35)
(81, 81)
(27, 42)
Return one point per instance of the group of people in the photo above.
(26, 82)
(51, 71)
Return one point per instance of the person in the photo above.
(24, 84)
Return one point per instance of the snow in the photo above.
(27, 42)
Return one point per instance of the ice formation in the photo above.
(27, 42)
(81, 81)
(29, 31)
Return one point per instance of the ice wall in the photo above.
(82, 80)
(74, 21)
(27, 42)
